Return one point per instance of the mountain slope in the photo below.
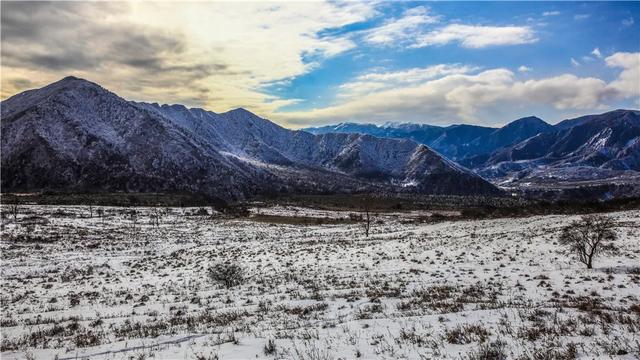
(75, 135)
(607, 143)
(592, 147)
(510, 134)
(456, 142)
(452, 141)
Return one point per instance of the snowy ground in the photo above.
(116, 285)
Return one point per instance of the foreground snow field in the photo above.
(132, 283)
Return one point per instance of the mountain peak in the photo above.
(240, 111)
(69, 83)
(72, 81)
(29, 98)
(71, 78)
(528, 120)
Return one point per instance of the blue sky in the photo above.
(560, 32)
(313, 63)
(560, 37)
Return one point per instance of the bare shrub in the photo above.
(13, 209)
(367, 221)
(489, 351)
(270, 347)
(551, 351)
(213, 356)
(227, 274)
(466, 334)
(589, 236)
(235, 210)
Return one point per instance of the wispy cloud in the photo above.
(397, 31)
(377, 81)
(415, 29)
(579, 17)
(551, 13)
(476, 36)
(470, 95)
(596, 53)
(628, 21)
(216, 55)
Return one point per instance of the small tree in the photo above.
(589, 236)
(227, 274)
(14, 210)
(134, 222)
(367, 221)
(366, 216)
(155, 215)
(100, 213)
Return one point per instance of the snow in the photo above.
(319, 292)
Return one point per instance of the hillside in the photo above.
(74, 135)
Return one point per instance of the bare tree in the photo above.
(366, 218)
(589, 236)
(14, 210)
(134, 222)
(100, 213)
(155, 215)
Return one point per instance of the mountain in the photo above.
(75, 135)
(594, 146)
(529, 153)
(510, 134)
(456, 142)
(452, 141)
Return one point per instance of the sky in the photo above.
(314, 63)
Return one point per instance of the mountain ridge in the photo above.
(76, 135)
(529, 148)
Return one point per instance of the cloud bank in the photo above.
(440, 93)
(215, 55)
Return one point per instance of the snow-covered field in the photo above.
(132, 283)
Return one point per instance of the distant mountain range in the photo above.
(592, 147)
(74, 135)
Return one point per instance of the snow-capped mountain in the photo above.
(608, 144)
(589, 147)
(456, 142)
(74, 135)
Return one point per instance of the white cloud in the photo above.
(475, 36)
(551, 13)
(467, 95)
(628, 82)
(562, 92)
(596, 53)
(378, 81)
(579, 17)
(396, 31)
(575, 62)
(524, 69)
(231, 50)
(417, 74)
